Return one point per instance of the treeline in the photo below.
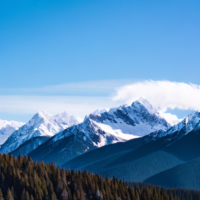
(181, 193)
(23, 179)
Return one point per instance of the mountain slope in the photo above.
(155, 153)
(182, 128)
(102, 153)
(143, 161)
(73, 142)
(186, 176)
(134, 149)
(42, 124)
(140, 169)
(187, 147)
(7, 128)
(97, 130)
(29, 146)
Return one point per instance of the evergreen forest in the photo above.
(23, 179)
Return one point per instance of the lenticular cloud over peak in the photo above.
(163, 94)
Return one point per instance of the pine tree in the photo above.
(9, 195)
(53, 196)
(132, 193)
(171, 196)
(22, 179)
(137, 196)
(23, 196)
(145, 195)
(1, 195)
(12, 192)
(74, 197)
(64, 195)
(27, 196)
(164, 195)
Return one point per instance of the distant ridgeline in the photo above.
(23, 179)
(160, 154)
(170, 159)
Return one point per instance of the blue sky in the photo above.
(47, 44)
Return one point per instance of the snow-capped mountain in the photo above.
(100, 129)
(42, 124)
(127, 122)
(99, 111)
(7, 128)
(173, 152)
(91, 132)
(67, 120)
(29, 146)
(73, 142)
(188, 124)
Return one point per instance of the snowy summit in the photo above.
(42, 124)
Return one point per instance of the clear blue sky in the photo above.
(49, 42)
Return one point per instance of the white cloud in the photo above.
(162, 94)
(83, 98)
(79, 98)
(172, 119)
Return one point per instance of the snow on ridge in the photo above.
(98, 129)
(99, 111)
(116, 132)
(130, 122)
(67, 119)
(189, 123)
(52, 124)
(181, 124)
(41, 124)
(4, 123)
(7, 128)
(152, 109)
(117, 124)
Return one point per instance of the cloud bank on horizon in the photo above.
(108, 94)
(162, 94)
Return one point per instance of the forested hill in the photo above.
(23, 179)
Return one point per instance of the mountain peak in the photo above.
(191, 122)
(39, 118)
(7, 128)
(41, 124)
(99, 111)
(4, 123)
(63, 114)
(148, 105)
(43, 114)
(67, 119)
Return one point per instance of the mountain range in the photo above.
(165, 158)
(134, 143)
(100, 129)
(45, 137)
(7, 128)
(41, 125)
